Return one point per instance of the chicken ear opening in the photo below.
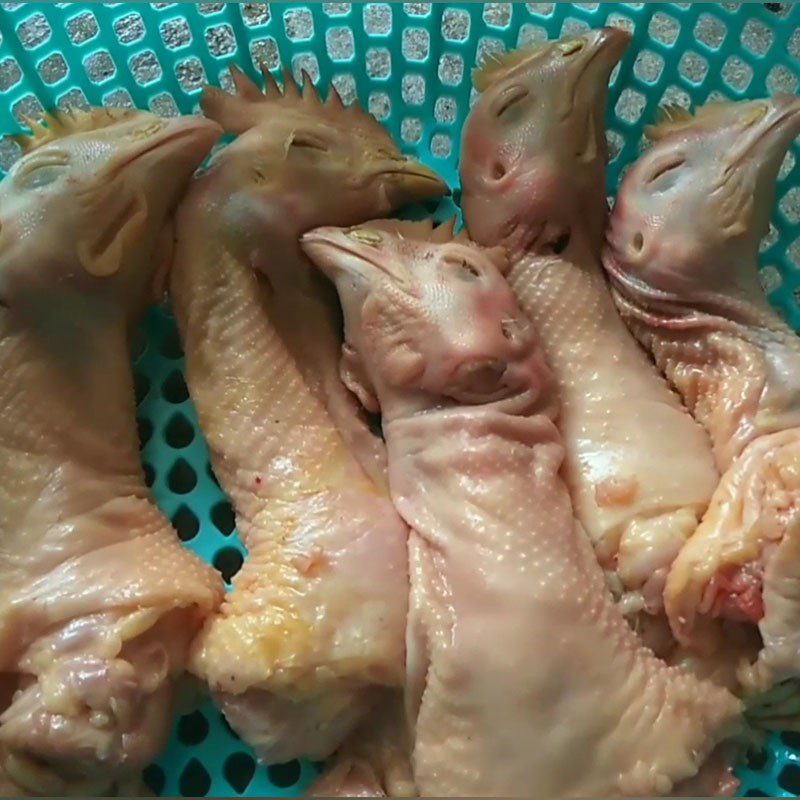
(354, 377)
(102, 252)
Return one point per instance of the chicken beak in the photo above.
(609, 44)
(331, 250)
(410, 181)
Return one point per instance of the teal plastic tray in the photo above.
(409, 63)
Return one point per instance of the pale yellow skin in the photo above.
(639, 468)
(316, 618)
(518, 658)
(98, 599)
(682, 254)
(375, 761)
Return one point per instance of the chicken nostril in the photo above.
(557, 245)
(561, 244)
(638, 242)
(498, 170)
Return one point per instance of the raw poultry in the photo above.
(683, 256)
(316, 618)
(520, 415)
(533, 160)
(499, 565)
(375, 761)
(98, 600)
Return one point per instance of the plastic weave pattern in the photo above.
(409, 63)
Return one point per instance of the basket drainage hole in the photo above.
(145, 429)
(179, 432)
(756, 759)
(186, 523)
(229, 561)
(149, 475)
(789, 779)
(138, 345)
(141, 386)
(154, 779)
(210, 472)
(284, 775)
(171, 346)
(182, 478)
(174, 388)
(193, 728)
(223, 518)
(239, 770)
(195, 781)
(791, 739)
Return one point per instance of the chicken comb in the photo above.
(671, 118)
(250, 106)
(426, 231)
(494, 66)
(56, 125)
(421, 231)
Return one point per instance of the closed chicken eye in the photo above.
(43, 171)
(666, 167)
(466, 271)
(557, 244)
(367, 237)
(304, 141)
(510, 98)
(571, 47)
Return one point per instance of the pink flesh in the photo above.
(497, 557)
(98, 599)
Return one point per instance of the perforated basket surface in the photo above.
(409, 63)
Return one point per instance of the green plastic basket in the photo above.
(409, 63)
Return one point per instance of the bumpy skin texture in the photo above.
(500, 568)
(683, 253)
(98, 600)
(376, 761)
(316, 617)
(639, 469)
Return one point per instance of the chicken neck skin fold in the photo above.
(533, 160)
(500, 568)
(316, 617)
(98, 599)
(682, 254)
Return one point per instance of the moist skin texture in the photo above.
(497, 556)
(375, 761)
(639, 469)
(316, 618)
(683, 254)
(98, 599)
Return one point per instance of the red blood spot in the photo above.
(739, 594)
(258, 480)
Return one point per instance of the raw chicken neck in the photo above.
(98, 599)
(302, 308)
(733, 359)
(316, 617)
(533, 166)
(500, 569)
(682, 255)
